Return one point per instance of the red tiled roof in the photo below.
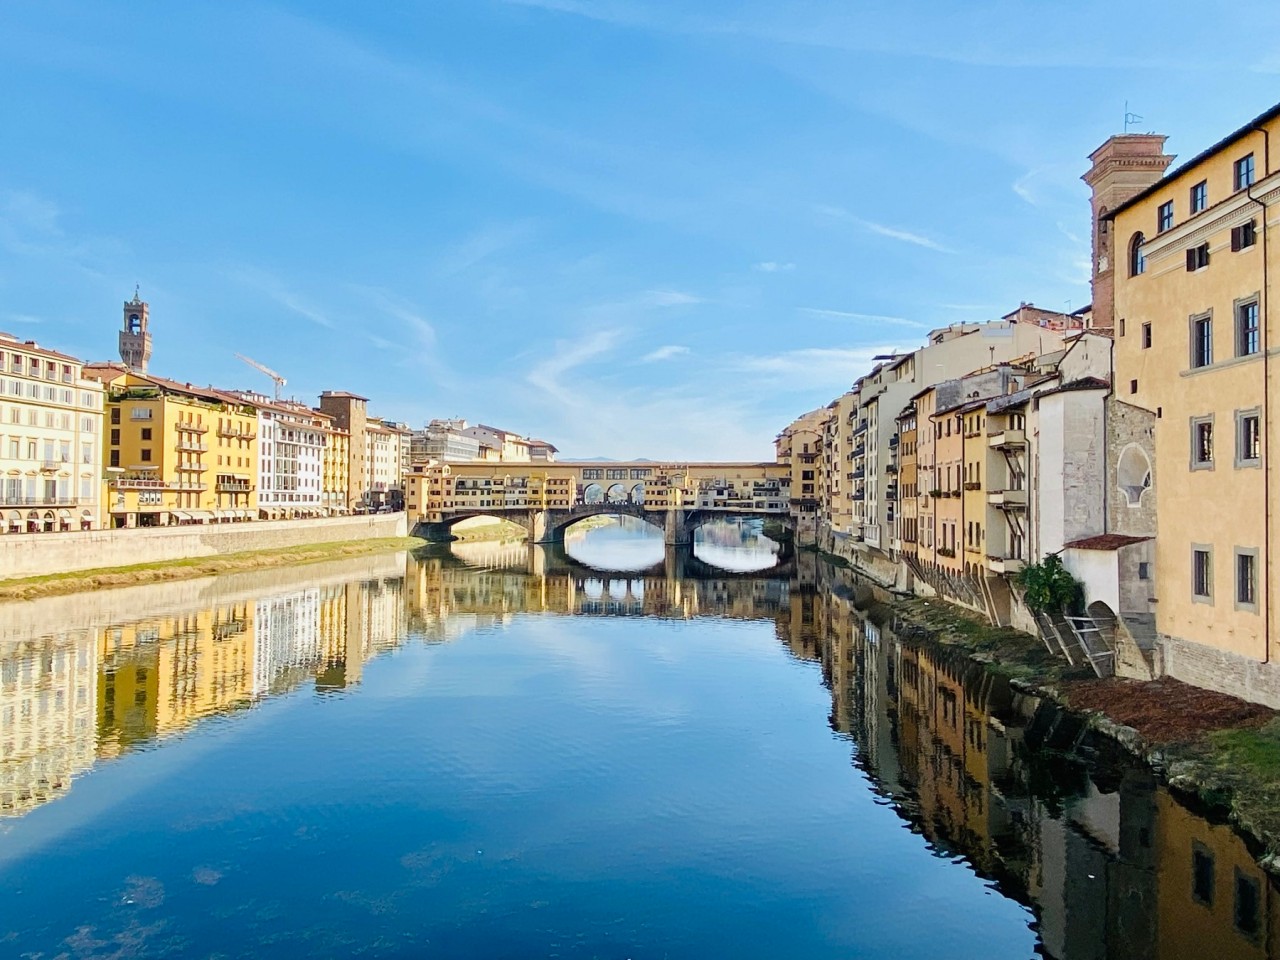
(1105, 541)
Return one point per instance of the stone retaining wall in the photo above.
(40, 554)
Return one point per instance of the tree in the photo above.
(1049, 587)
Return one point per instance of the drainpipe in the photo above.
(1266, 402)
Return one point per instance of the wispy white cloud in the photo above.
(24, 319)
(871, 317)
(483, 244)
(551, 375)
(668, 298)
(772, 266)
(811, 367)
(668, 352)
(277, 290)
(893, 233)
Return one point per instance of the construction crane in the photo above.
(280, 381)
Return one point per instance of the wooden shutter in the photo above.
(1237, 236)
(1191, 259)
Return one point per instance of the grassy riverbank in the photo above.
(1220, 753)
(29, 588)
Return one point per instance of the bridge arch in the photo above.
(617, 493)
(593, 493)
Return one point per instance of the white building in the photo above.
(50, 441)
(387, 447)
(291, 442)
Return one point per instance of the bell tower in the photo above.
(135, 341)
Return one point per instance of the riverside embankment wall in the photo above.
(40, 554)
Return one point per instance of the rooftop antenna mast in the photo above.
(279, 380)
(1130, 119)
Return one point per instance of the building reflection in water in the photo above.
(1111, 864)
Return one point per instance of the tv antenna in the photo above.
(1130, 119)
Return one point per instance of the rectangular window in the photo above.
(1248, 898)
(1201, 574)
(146, 456)
(115, 458)
(1164, 216)
(1201, 875)
(1248, 438)
(146, 433)
(1202, 443)
(1247, 328)
(1244, 236)
(115, 414)
(1122, 326)
(1199, 196)
(115, 438)
(1201, 341)
(1198, 257)
(1144, 570)
(1247, 579)
(1146, 336)
(1244, 172)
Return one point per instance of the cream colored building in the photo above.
(799, 446)
(1191, 260)
(50, 441)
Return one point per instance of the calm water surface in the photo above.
(500, 751)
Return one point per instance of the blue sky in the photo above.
(632, 227)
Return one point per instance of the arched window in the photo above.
(1137, 260)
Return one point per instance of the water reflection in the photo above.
(1108, 863)
(629, 543)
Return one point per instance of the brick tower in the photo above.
(135, 341)
(1121, 168)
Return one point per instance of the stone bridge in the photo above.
(548, 498)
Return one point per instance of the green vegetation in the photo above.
(1050, 587)
(28, 588)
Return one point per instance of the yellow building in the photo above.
(799, 446)
(335, 479)
(50, 441)
(973, 417)
(1193, 345)
(176, 453)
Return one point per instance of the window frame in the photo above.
(1199, 361)
(1240, 554)
(1243, 172)
(1237, 310)
(1207, 550)
(1137, 259)
(1198, 257)
(1242, 417)
(1197, 426)
(1199, 196)
(1164, 217)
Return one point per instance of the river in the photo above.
(611, 750)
